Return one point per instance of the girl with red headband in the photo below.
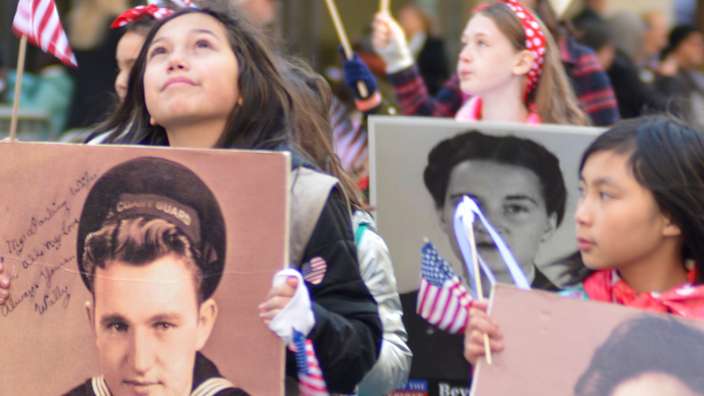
(509, 67)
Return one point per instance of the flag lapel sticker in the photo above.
(314, 270)
(442, 300)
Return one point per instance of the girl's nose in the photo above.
(582, 215)
(177, 61)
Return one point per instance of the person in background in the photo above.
(316, 138)
(635, 98)
(94, 44)
(686, 50)
(413, 98)
(593, 12)
(47, 87)
(509, 70)
(426, 47)
(654, 41)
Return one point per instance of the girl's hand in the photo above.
(4, 286)
(480, 323)
(389, 42)
(277, 299)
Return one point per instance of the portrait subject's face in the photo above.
(509, 196)
(148, 326)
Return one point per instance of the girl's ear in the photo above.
(671, 229)
(524, 62)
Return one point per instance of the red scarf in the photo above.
(684, 300)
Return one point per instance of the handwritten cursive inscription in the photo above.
(16, 245)
(48, 301)
(83, 182)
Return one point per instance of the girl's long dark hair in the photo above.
(264, 119)
(667, 158)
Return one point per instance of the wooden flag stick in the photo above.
(478, 282)
(18, 87)
(344, 41)
(384, 6)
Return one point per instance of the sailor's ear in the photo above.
(207, 313)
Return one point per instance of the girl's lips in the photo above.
(583, 244)
(177, 80)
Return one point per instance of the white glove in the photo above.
(297, 314)
(390, 43)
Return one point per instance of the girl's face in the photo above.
(127, 52)
(191, 73)
(510, 198)
(618, 220)
(488, 60)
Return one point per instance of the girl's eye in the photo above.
(481, 43)
(157, 51)
(604, 196)
(202, 44)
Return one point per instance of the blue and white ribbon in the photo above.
(465, 214)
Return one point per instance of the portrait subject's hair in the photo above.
(145, 209)
(140, 241)
(649, 344)
(507, 150)
(667, 158)
(264, 119)
(553, 96)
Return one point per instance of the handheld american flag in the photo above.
(39, 21)
(310, 376)
(442, 300)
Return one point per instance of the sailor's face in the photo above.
(146, 322)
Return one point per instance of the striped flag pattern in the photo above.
(314, 270)
(310, 376)
(442, 300)
(39, 21)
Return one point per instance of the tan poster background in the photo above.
(46, 344)
(549, 341)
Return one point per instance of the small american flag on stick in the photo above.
(442, 300)
(39, 21)
(310, 376)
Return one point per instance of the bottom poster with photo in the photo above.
(140, 270)
(555, 345)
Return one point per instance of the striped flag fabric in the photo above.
(39, 21)
(442, 300)
(310, 376)
(314, 270)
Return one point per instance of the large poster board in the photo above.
(406, 214)
(555, 345)
(48, 345)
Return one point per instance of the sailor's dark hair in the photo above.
(197, 226)
(509, 150)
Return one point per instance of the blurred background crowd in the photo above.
(652, 50)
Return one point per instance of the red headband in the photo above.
(140, 12)
(535, 40)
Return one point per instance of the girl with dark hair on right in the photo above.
(640, 224)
